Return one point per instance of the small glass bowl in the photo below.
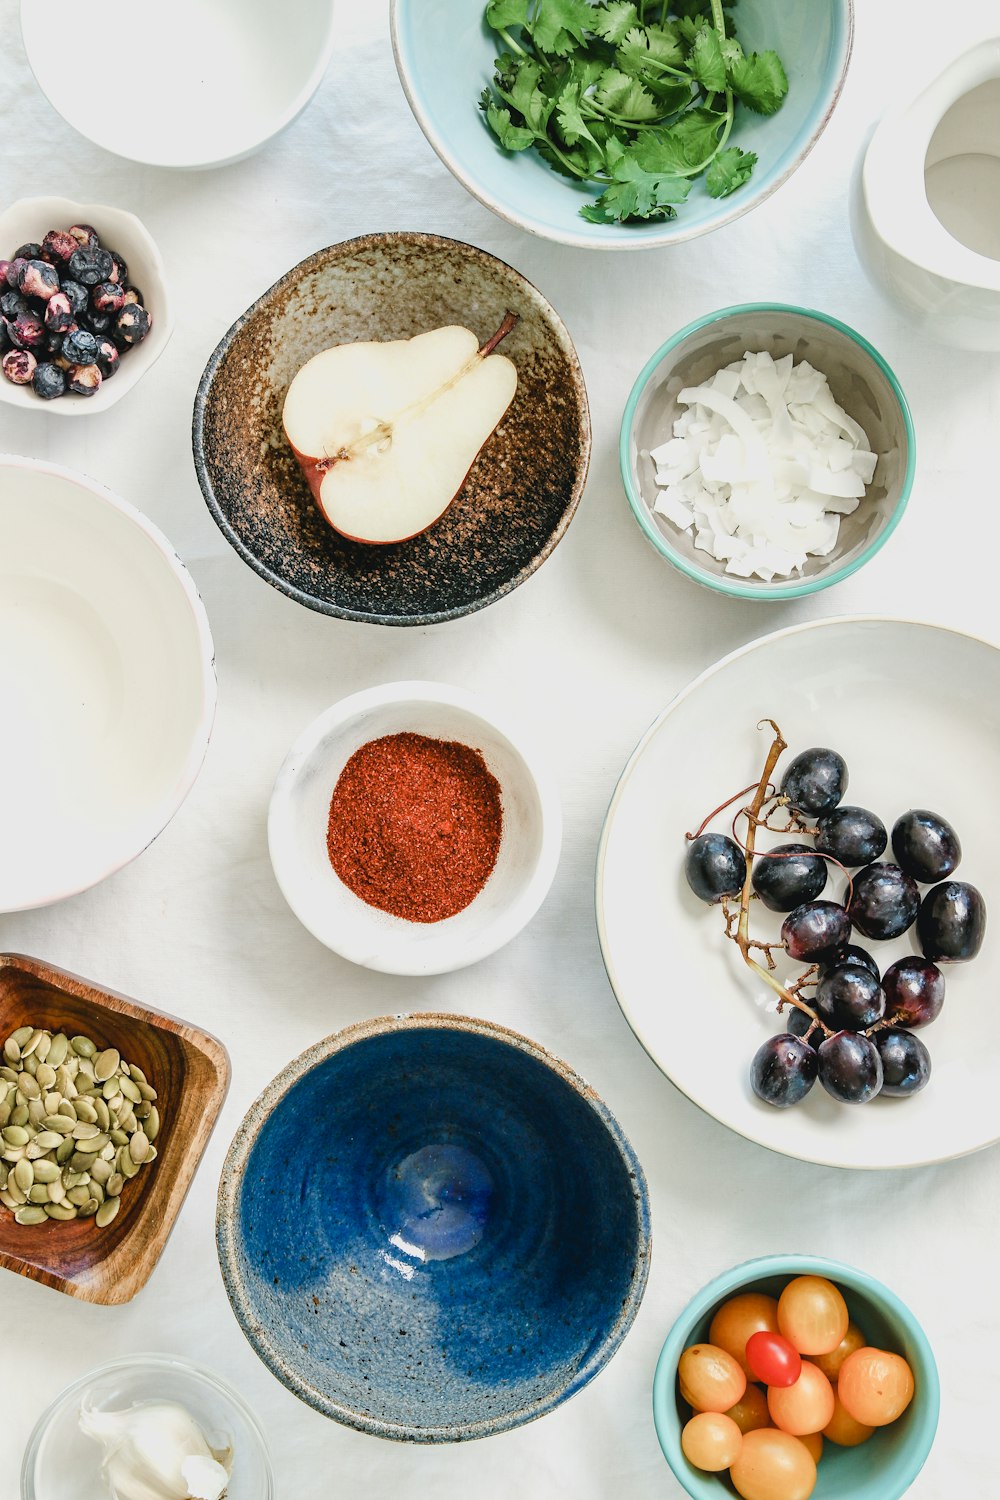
(60, 1460)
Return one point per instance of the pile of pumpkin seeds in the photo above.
(76, 1124)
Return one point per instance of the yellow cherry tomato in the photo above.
(812, 1315)
(710, 1379)
(773, 1465)
(830, 1363)
(875, 1386)
(738, 1319)
(843, 1430)
(750, 1411)
(804, 1407)
(814, 1444)
(711, 1441)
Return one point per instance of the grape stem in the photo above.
(742, 934)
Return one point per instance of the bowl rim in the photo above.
(736, 588)
(291, 112)
(580, 239)
(155, 1361)
(141, 359)
(202, 731)
(357, 706)
(665, 1419)
(674, 702)
(227, 1218)
(342, 250)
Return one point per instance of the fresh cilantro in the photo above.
(636, 97)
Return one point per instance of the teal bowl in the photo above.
(445, 54)
(881, 1469)
(862, 383)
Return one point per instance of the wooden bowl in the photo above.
(189, 1070)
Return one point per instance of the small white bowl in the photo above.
(30, 219)
(299, 814)
(107, 682)
(197, 83)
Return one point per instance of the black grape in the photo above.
(788, 875)
(853, 835)
(925, 846)
(815, 781)
(906, 1063)
(885, 901)
(783, 1070)
(952, 922)
(715, 866)
(850, 1067)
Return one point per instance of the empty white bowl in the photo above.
(197, 83)
(299, 816)
(106, 679)
(30, 219)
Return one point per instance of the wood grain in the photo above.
(189, 1070)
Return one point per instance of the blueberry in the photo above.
(58, 246)
(78, 296)
(12, 303)
(107, 357)
(27, 331)
(815, 781)
(119, 271)
(853, 835)
(80, 348)
(30, 251)
(131, 325)
(885, 901)
(97, 323)
(15, 270)
(19, 365)
(84, 380)
(133, 294)
(90, 266)
(925, 845)
(108, 297)
(49, 382)
(85, 235)
(58, 313)
(39, 279)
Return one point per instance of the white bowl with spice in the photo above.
(413, 830)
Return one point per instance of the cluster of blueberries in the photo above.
(69, 313)
(855, 1032)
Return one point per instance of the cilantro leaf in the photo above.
(643, 46)
(502, 14)
(706, 61)
(512, 137)
(625, 97)
(557, 24)
(636, 194)
(572, 126)
(524, 94)
(684, 147)
(759, 82)
(614, 20)
(730, 170)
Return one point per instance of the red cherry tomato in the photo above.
(772, 1359)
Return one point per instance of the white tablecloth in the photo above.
(591, 649)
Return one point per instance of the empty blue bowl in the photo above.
(431, 1229)
(886, 1465)
(445, 55)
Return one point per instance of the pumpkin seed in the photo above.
(126, 1166)
(29, 1086)
(83, 1046)
(22, 1035)
(148, 1092)
(130, 1090)
(45, 1171)
(57, 1191)
(39, 1193)
(78, 1196)
(46, 1075)
(65, 1152)
(31, 1214)
(83, 1130)
(11, 1050)
(90, 1207)
(138, 1146)
(107, 1211)
(106, 1064)
(19, 1197)
(16, 1135)
(7, 1200)
(103, 1114)
(4, 1113)
(58, 1050)
(152, 1126)
(114, 1185)
(93, 1146)
(86, 1111)
(62, 1211)
(24, 1175)
(31, 1045)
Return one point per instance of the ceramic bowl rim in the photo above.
(722, 583)
(141, 359)
(290, 113)
(580, 239)
(227, 1216)
(156, 1360)
(202, 731)
(625, 775)
(342, 250)
(664, 1379)
(516, 915)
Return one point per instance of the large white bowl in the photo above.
(192, 83)
(915, 710)
(106, 679)
(30, 219)
(299, 815)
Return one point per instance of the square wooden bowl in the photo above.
(189, 1070)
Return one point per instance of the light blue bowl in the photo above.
(861, 381)
(445, 53)
(881, 1469)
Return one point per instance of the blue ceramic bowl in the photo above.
(431, 1229)
(445, 55)
(881, 1469)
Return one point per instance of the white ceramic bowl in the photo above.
(299, 813)
(915, 710)
(31, 219)
(106, 679)
(200, 82)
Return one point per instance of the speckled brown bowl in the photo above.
(520, 495)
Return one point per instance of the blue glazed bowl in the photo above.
(881, 1469)
(445, 54)
(431, 1229)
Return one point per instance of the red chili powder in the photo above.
(415, 826)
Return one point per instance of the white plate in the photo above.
(915, 710)
(107, 683)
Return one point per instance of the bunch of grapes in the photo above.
(849, 1024)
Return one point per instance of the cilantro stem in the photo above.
(514, 46)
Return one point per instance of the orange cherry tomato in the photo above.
(750, 1411)
(711, 1441)
(843, 1430)
(710, 1379)
(830, 1363)
(814, 1443)
(738, 1319)
(772, 1465)
(772, 1359)
(804, 1407)
(875, 1386)
(812, 1315)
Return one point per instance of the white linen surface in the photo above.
(590, 649)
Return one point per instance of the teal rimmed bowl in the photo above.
(861, 381)
(881, 1469)
(445, 58)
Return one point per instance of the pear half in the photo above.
(386, 433)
